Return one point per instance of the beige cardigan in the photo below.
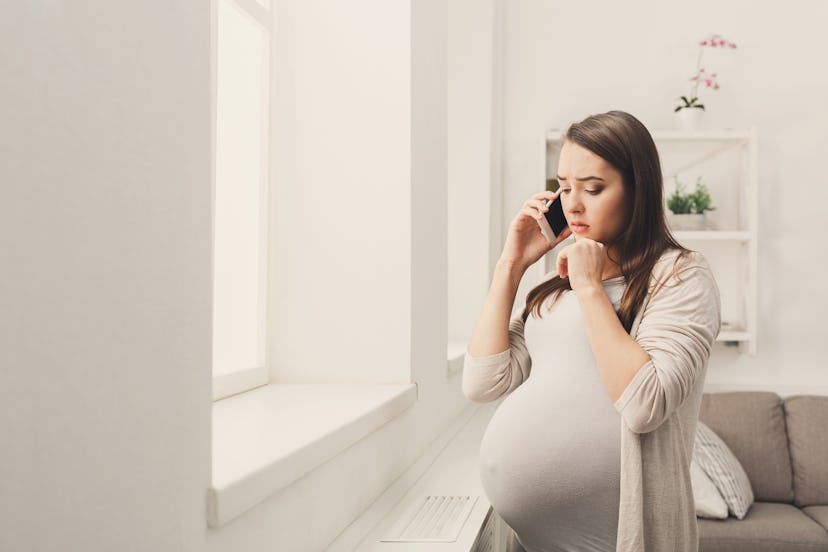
(676, 325)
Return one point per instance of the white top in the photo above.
(676, 325)
(552, 450)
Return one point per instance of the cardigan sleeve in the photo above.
(679, 324)
(488, 378)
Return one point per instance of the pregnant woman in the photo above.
(603, 371)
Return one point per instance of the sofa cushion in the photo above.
(807, 418)
(708, 499)
(818, 513)
(768, 527)
(723, 469)
(752, 424)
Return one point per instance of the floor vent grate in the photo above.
(433, 519)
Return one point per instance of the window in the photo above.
(241, 59)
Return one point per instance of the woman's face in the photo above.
(592, 194)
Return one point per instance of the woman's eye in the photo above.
(593, 192)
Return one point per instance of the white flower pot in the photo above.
(688, 221)
(689, 118)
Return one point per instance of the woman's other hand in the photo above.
(525, 243)
(582, 262)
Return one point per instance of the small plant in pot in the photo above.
(689, 208)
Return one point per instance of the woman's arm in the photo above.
(524, 245)
(497, 360)
(490, 377)
(677, 328)
(617, 355)
(648, 375)
(491, 333)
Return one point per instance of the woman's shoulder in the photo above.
(680, 266)
(675, 261)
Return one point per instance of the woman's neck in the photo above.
(611, 269)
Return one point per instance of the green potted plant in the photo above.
(688, 209)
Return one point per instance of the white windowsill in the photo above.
(238, 381)
(269, 437)
(456, 354)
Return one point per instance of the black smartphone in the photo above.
(554, 221)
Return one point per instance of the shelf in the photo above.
(728, 160)
(731, 335)
(712, 235)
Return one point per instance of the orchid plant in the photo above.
(702, 76)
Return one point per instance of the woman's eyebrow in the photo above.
(584, 179)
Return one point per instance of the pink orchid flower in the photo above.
(701, 75)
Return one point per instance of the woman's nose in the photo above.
(574, 203)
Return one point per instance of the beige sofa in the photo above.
(783, 446)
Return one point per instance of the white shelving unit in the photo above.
(727, 162)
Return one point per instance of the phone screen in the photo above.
(555, 216)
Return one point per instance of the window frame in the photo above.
(248, 377)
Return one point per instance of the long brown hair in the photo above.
(623, 142)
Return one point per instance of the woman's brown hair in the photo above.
(623, 142)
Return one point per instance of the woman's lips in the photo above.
(579, 227)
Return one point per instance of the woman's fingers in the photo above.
(537, 204)
(531, 213)
(588, 257)
(545, 195)
(562, 264)
(539, 200)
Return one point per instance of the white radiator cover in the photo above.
(432, 519)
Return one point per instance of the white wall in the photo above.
(105, 289)
(566, 60)
(341, 219)
(474, 87)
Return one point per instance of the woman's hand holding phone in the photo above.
(525, 243)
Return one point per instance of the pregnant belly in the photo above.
(553, 462)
